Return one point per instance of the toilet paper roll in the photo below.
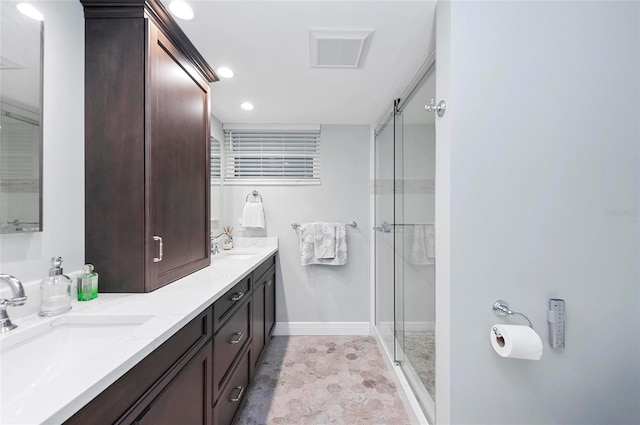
(516, 342)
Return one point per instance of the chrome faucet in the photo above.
(215, 247)
(19, 298)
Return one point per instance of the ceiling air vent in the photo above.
(330, 48)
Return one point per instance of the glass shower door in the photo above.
(405, 239)
(384, 236)
(415, 242)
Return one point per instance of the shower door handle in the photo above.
(384, 228)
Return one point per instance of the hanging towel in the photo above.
(307, 250)
(324, 241)
(253, 215)
(423, 246)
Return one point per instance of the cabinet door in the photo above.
(270, 304)
(178, 182)
(186, 399)
(258, 324)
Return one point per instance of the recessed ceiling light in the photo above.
(181, 10)
(224, 72)
(30, 11)
(247, 106)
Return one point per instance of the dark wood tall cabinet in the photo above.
(146, 147)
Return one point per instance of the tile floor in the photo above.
(317, 380)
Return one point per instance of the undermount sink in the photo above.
(239, 256)
(235, 255)
(32, 356)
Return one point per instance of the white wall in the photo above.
(27, 256)
(538, 164)
(326, 294)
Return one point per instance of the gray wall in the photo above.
(544, 203)
(27, 256)
(319, 293)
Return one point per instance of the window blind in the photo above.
(216, 159)
(285, 156)
(20, 151)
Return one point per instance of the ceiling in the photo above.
(266, 44)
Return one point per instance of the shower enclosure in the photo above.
(405, 237)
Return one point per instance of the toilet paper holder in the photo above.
(501, 308)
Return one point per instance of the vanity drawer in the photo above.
(234, 296)
(233, 394)
(227, 343)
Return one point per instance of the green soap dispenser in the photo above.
(55, 291)
(88, 284)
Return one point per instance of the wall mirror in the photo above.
(216, 184)
(21, 58)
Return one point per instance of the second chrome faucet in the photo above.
(18, 299)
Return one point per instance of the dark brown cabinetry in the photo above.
(146, 147)
(228, 342)
(235, 358)
(201, 375)
(185, 400)
(263, 310)
(170, 384)
(233, 333)
(232, 395)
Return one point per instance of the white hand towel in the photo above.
(307, 251)
(253, 215)
(324, 242)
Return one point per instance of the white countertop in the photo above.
(57, 396)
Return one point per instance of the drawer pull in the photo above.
(239, 396)
(238, 338)
(237, 296)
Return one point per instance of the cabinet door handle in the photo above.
(237, 339)
(239, 396)
(158, 259)
(237, 296)
(269, 282)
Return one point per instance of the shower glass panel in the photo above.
(384, 236)
(415, 242)
(405, 238)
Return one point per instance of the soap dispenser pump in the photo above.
(55, 291)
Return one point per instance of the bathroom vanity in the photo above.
(184, 353)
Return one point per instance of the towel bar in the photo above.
(352, 224)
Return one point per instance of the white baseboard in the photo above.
(322, 328)
(413, 326)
